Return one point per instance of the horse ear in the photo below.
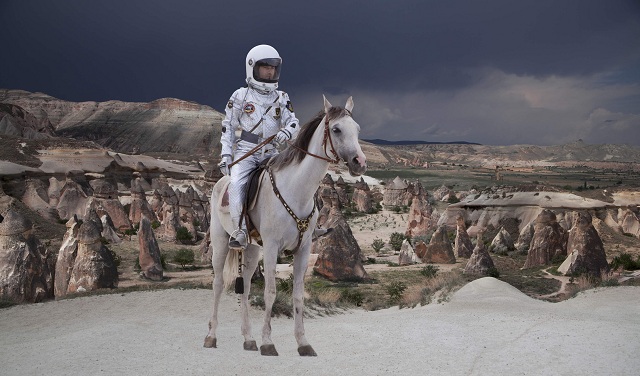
(349, 105)
(327, 105)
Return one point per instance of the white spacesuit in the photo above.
(253, 114)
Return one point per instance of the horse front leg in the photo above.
(300, 262)
(251, 258)
(219, 256)
(270, 259)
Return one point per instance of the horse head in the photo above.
(342, 138)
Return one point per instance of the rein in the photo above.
(302, 224)
(326, 137)
(263, 143)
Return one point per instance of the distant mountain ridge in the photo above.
(378, 141)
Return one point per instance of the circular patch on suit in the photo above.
(249, 108)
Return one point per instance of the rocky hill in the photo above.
(166, 125)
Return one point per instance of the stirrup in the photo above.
(234, 242)
(320, 232)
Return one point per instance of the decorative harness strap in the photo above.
(326, 137)
(302, 224)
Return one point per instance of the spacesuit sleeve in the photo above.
(229, 125)
(289, 120)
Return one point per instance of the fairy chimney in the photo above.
(502, 243)
(149, 255)
(480, 262)
(407, 255)
(139, 204)
(586, 251)
(420, 219)
(26, 265)
(73, 200)
(35, 196)
(524, 239)
(439, 250)
(105, 201)
(362, 196)
(549, 241)
(66, 258)
(462, 246)
(94, 266)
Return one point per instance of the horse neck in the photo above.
(303, 179)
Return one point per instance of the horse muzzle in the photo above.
(357, 165)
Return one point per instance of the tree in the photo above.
(396, 240)
(183, 235)
(377, 245)
(184, 257)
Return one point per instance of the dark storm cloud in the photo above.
(440, 70)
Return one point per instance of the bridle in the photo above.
(326, 138)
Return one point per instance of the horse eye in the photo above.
(336, 130)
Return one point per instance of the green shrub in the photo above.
(396, 240)
(116, 259)
(493, 272)
(377, 244)
(625, 261)
(155, 224)
(352, 296)
(429, 271)
(183, 235)
(395, 290)
(184, 257)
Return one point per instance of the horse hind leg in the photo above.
(251, 258)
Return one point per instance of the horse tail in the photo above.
(230, 271)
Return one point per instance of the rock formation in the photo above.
(339, 255)
(36, 197)
(205, 248)
(407, 255)
(586, 251)
(362, 197)
(94, 266)
(480, 262)
(524, 239)
(105, 202)
(139, 204)
(462, 246)
(630, 221)
(443, 193)
(420, 220)
(502, 243)
(73, 200)
(66, 258)
(26, 266)
(395, 191)
(186, 213)
(149, 255)
(439, 250)
(341, 190)
(549, 241)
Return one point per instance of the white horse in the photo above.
(280, 219)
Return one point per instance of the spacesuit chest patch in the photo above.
(249, 108)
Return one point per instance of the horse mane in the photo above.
(295, 153)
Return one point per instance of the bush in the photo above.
(493, 272)
(351, 296)
(395, 290)
(184, 257)
(396, 240)
(377, 245)
(625, 261)
(155, 224)
(183, 235)
(429, 271)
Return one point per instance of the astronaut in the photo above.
(254, 113)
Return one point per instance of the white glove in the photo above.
(224, 164)
(282, 136)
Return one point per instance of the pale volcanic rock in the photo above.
(53, 192)
(341, 190)
(443, 193)
(26, 265)
(66, 258)
(362, 196)
(420, 221)
(205, 250)
(170, 223)
(480, 262)
(549, 241)
(73, 200)
(37, 199)
(139, 205)
(586, 251)
(524, 239)
(16, 122)
(186, 213)
(339, 255)
(407, 255)
(630, 221)
(462, 246)
(149, 255)
(105, 202)
(502, 242)
(94, 267)
(156, 204)
(439, 250)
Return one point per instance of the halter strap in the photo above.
(326, 137)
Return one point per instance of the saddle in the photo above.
(251, 195)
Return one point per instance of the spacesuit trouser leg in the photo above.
(238, 180)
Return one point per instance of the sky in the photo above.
(495, 72)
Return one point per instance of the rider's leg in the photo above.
(238, 180)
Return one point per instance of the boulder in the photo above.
(94, 266)
(420, 220)
(66, 258)
(502, 243)
(524, 239)
(73, 200)
(407, 255)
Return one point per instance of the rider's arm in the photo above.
(289, 121)
(229, 124)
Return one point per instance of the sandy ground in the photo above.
(488, 328)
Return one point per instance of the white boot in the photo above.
(238, 239)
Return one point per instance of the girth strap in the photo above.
(302, 224)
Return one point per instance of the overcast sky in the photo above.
(494, 72)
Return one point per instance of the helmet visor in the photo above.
(267, 70)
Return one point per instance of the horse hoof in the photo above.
(306, 350)
(250, 346)
(210, 342)
(268, 350)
